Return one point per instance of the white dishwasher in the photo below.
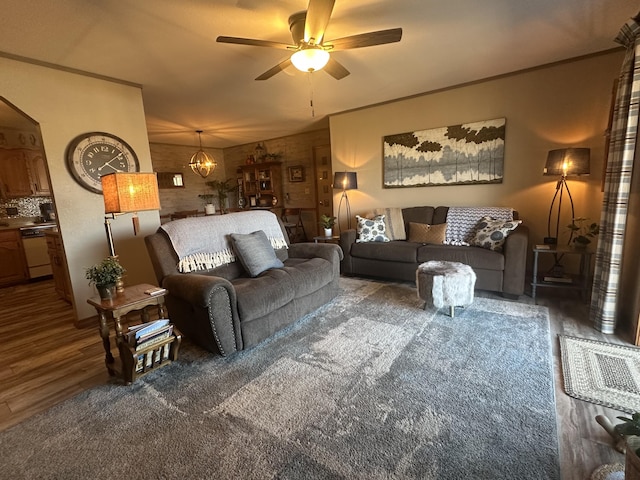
(35, 250)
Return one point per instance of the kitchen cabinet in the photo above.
(62, 283)
(37, 168)
(14, 175)
(13, 264)
(260, 183)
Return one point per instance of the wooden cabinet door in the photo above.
(13, 265)
(14, 176)
(38, 173)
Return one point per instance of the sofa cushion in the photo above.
(425, 233)
(255, 252)
(371, 229)
(475, 257)
(396, 251)
(393, 222)
(492, 233)
(418, 215)
(308, 274)
(261, 295)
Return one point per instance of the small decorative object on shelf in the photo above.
(582, 231)
(105, 275)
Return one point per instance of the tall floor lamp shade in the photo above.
(345, 181)
(563, 162)
(128, 193)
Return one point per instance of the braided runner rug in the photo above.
(601, 373)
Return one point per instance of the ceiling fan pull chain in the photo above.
(313, 112)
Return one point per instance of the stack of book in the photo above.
(145, 337)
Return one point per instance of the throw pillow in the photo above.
(393, 222)
(371, 229)
(492, 233)
(255, 252)
(425, 233)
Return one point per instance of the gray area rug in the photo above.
(368, 387)
(602, 373)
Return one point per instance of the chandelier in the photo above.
(201, 162)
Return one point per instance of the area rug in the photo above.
(601, 373)
(370, 386)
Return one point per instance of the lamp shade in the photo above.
(345, 180)
(130, 192)
(310, 59)
(567, 161)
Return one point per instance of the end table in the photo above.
(132, 299)
(581, 281)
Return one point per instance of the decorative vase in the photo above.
(210, 209)
(580, 245)
(106, 292)
(328, 232)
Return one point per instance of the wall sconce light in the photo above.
(201, 162)
(345, 181)
(128, 193)
(564, 162)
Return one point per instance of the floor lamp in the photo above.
(563, 162)
(345, 181)
(128, 193)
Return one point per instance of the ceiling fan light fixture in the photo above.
(201, 162)
(310, 59)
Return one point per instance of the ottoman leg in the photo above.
(452, 311)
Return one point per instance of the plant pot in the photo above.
(328, 232)
(580, 245)
(210, 209)
(632, 461)
(106, 292)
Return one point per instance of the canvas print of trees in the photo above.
(469, 153)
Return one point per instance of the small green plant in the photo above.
(327, 222)
(583, 230)
(107, 272)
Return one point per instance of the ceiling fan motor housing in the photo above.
(296, 26)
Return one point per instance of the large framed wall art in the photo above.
(470, 153)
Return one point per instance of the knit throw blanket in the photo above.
(203, 243)
(462, 221)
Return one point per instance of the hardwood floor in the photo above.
(46, 360)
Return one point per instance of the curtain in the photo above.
(624, 131)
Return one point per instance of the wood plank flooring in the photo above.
(45, 360)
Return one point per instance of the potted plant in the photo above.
(222, 189)
(583, 231)
(327, 223)
(104, 276)
(209, 207)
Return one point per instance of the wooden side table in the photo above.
(581, 281)
(132, 299)
(322, 238)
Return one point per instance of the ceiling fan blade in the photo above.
(255, 43)
(365, 40)
(318, 15)
(277, 69)
(335, 69)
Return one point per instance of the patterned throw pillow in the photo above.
(371, 229)
(425, 233)
(492, 233)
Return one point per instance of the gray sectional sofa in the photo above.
(218, 304)
(496, 271)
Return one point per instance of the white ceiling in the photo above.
(192, 82)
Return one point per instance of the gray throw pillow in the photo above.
(255, 252)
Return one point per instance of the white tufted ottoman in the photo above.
(445, 284)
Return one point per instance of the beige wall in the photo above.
(175, 158)
(562, 105)
(66, 105)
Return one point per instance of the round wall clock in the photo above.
(91, 155)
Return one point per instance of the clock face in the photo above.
(92, 155)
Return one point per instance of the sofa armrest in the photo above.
(515, 261)
(347, 238)
(205, 309)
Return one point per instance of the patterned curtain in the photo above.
(620, 161)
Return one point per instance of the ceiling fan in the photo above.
(310, 51)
